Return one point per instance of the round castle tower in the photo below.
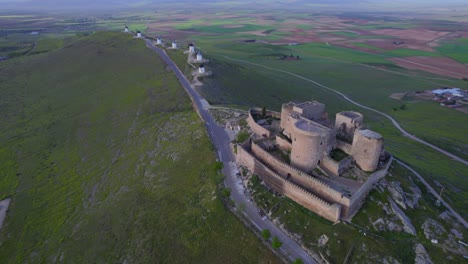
(158, 41)
(126, 29)
(309, 142)
(174, 45)
(366, 149)
(138, 34)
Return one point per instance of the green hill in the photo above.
(106, 162)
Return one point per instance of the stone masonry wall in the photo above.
(256, 128)
(334, 167)
(287, 188)
(283, 143)
(301, 178)
(358, 198)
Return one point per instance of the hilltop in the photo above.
(106, 161)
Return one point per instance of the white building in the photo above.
(191, 48)
(174, 45)
(201, 69)
(199, 56)
(158, 41)
(126, 29)
(138, 34)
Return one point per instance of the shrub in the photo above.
(266, 234)
(276, 243)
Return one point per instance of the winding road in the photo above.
(394, 122)
(290, 248)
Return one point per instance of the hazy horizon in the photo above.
(338, 5)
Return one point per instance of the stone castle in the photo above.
(326, 167)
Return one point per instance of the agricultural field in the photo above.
(106, 161)
(250, 74)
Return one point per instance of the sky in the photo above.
(384, 4)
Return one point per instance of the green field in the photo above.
(106, 162)
(457, 50)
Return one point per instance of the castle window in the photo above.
(294, 139)
(318, 163)
(321, 143)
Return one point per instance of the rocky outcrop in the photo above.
(407, 226)
(422, 257)
(403, 198)
(433, 229)
(322, 240)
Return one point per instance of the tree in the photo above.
(403, 107)
(276, 243)
(242, 136)
(218, 166)
(263, 112)
(266, 234)
(298, 261)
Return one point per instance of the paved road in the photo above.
(221, 141)
(394, 122)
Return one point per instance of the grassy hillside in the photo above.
(106, 162)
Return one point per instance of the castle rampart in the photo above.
(298, 194)
(256, 128)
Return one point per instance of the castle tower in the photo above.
(309, 141)
(174, 45)
(347, 122)
(199, 57)
(366, 149)
(287, 120)
(201, 69)
(158, 41)
(126, 29)
(138, 34)
(191, 48)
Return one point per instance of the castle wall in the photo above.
(348, 121)
(345, 147)
(283, 143)
(310, 110)
(335, 168)
(296, 193)
(300, 178)
(358, 198)
(256, 128)
(366, 149)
